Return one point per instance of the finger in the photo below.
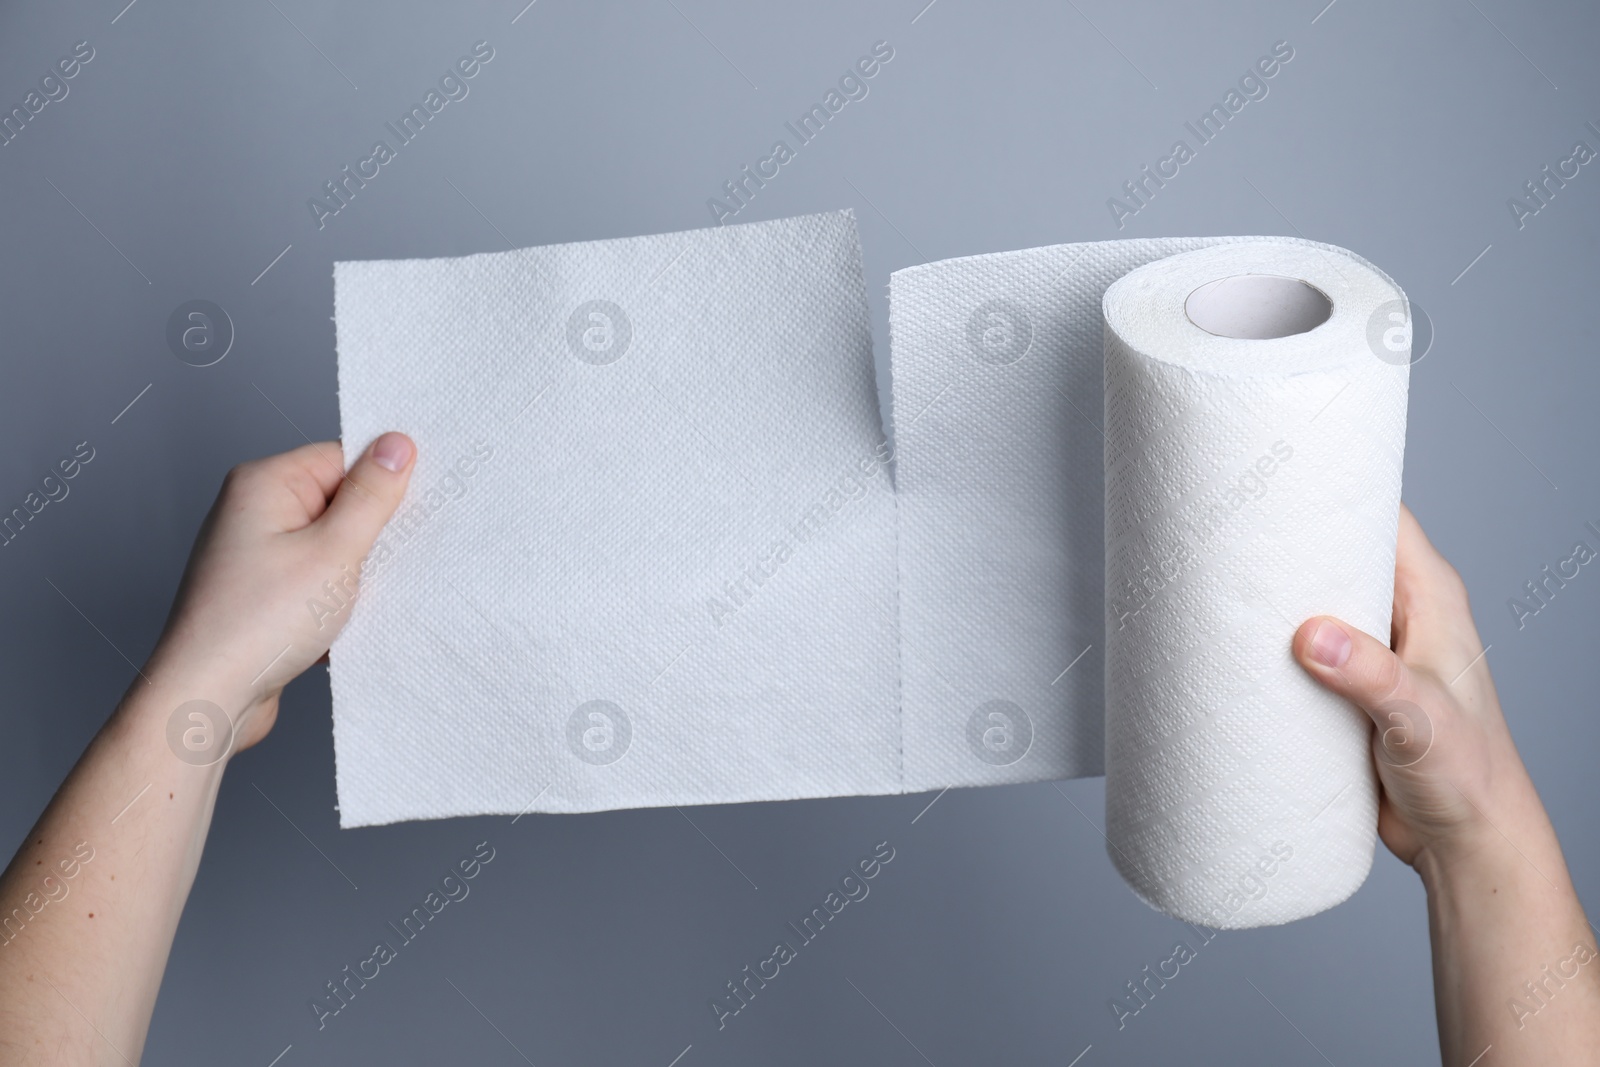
(1418, 569)
(1354, 665)
(1433, 618)
(1404, 554)
(290, 489)
(369, 494)
(1364, 671)
(322, 461)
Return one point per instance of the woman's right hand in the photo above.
(1452, 780)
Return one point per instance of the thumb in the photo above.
(1364, 671)
(1353, 664)
(368, 494)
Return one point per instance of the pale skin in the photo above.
(1459, 807)
(78, 980)
(101, 881)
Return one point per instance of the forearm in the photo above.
(81, 958)
(1514, 962)
(90, 903)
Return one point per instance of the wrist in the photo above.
(1514, 859)
(1468, 860)
(197, 699)
(189, 663)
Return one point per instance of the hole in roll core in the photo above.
(1258, 307)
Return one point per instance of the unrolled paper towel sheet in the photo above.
(651, 554)
(647, 556)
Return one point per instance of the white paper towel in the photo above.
(1250, 484)
(647, 556)
(678, 576)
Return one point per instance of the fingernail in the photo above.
(392, 451)
(1330, 646)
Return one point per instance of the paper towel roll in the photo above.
(1252, 480)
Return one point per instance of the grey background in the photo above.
(181, 162)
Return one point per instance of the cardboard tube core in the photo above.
(1258, 307)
